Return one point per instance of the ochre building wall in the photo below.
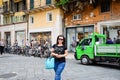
(113, 14)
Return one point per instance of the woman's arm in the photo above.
(52, 53)
(62, 55)
(65, 54)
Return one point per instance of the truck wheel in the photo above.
(85, 60)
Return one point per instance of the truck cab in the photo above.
(94, 48)
(86, 47)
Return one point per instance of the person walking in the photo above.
(2, 45)
(59, 52)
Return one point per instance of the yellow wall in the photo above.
(0, 2)
(40, 19)
(38, 3)
(5, 0)
(8, 3)
(19, 13)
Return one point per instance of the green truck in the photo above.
(94, 49)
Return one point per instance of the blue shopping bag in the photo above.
(49, 63)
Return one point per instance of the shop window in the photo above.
(49, 16)
(105, 6)
(77, 17)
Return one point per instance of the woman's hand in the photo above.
(56, 55)
(53, 54)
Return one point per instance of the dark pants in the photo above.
(1, 50)
(59, 66)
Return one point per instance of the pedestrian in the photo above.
(2, 45)
(59, 52)
(109, 41)
(27, 43)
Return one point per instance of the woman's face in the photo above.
(60, 40)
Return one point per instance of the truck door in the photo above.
(85, 48)
(85, 51)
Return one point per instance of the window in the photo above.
(31, 4)
(24, 17)
(99, 40)
(48, 2)
(5, 6)
(105, 6)
(87, 42)
(31, 19)
(11, 5)
(5, 20)
(49, 16)
(77, 17)
(16, 7)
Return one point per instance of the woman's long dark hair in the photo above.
(63, 40)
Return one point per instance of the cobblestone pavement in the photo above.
(14, 67)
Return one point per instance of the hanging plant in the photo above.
(70, 5)
(62, 2)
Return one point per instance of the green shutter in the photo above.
(31, 4)
(48, 2)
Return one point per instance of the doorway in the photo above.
(7, 38)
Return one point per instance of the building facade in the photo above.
(30, 19)
(45, 21)
(14, 23)
(102, 17)
(1, 17)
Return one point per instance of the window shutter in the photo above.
(48, 2)
(31, 4)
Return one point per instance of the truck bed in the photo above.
(112, 50)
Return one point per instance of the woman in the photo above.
(59, 51)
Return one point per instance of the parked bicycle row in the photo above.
(37, 51)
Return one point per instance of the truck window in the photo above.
(87, 41)
(98, 40)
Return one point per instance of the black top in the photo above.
(59, 50)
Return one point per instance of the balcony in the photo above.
(36, 6)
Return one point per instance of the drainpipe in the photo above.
(27, 17)
(27, 26)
